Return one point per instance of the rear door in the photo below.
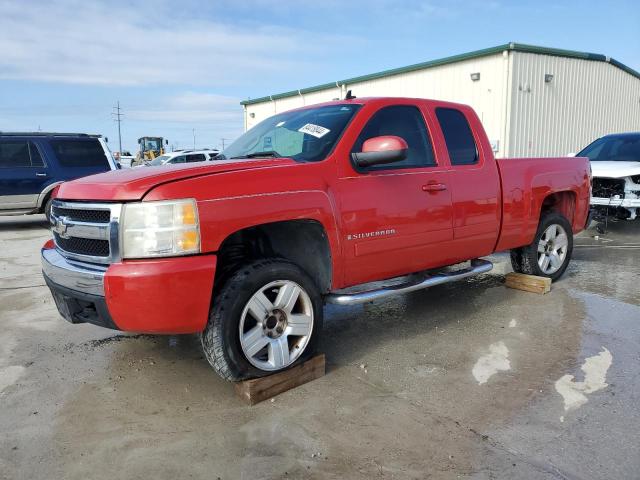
(396, 218)
(23, 173)
(474, 181)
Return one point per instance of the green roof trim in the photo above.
(515, 47)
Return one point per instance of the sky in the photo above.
(180, 68)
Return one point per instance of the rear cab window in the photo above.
(458, 136)
(407, 122)
(73, 153)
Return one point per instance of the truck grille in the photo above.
(92, 216)
(83, 246)
(86, 231)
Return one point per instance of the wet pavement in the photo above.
(468, 380)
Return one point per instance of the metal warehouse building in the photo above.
(533, 101)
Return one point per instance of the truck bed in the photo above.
(527, 182)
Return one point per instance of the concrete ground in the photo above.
(468, 380)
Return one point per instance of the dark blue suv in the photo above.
(33, 164)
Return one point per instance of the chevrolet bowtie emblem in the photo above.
(60, 226)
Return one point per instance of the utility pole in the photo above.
(118, 118)
(223, 140)
(194, 138)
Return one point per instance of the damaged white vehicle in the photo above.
(615, 166)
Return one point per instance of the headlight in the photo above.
(160, 229)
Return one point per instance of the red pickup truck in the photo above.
(246, 249)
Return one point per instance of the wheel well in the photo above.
(303, 242)
(45, 199)
(561, 202)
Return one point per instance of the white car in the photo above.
(124, 158)
(615, 166)
(183, 156)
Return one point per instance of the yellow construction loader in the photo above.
(150, 148)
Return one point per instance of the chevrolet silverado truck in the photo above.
(312, 205)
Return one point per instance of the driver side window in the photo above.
(403, 121)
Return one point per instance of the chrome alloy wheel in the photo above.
(276, 325)
(552, 249)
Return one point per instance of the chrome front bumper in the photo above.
(66, 273)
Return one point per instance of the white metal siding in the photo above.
(585, 100)
(524, 115)
(451, 82)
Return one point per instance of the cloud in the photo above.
(176, 117)
(190, 107)
(96, 43)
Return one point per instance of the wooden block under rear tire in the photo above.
(528, 283)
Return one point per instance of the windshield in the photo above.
(152, 144)
(159, 160)
(622, 148)
(307, 135)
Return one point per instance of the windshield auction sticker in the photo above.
(314, 130)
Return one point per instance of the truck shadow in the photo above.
(350, 333)
(23, 223)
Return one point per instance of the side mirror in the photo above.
(106, 139)
(381, 150)
(166, 142)
(118, 166)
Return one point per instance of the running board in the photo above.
(477, 267)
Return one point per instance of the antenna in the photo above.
(349, 95)
(118, 118)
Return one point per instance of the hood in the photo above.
(134, 183)
(615, 169)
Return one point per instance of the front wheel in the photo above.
(550, 252)
(266, 317)
(47, 209)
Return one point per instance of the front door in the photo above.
(396, 218)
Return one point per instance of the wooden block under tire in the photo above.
(257, 390)
(528, 283)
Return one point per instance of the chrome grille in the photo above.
(91, 216)
(86, 232)
(83, 246)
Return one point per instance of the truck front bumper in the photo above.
(161, 296)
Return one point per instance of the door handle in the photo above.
(434, 187)
(41, 174)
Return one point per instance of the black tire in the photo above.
(221, 337)
(525, 259)
(47, 209)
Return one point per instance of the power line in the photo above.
(118, 118)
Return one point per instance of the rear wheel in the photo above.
(266, 318)
(550, 252)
